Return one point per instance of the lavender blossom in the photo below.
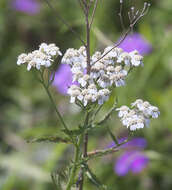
(27, 6)
(133, 161)
(135, 143)
(137, 42)
(63, 79)
(133, 158)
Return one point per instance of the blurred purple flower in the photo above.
(27, 6)
(133, 161)
(135, 143)
(63, 78)
(133, 158)
(137, 42)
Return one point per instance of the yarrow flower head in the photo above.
(139, 116)
(107, 70)
(43, 57)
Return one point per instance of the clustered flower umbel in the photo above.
(43, 57)
(107, 70)
(139, 116)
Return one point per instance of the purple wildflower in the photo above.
(137, 42)
(133, 161)
(133, 158)
(63, 78)
(136, 143)
(27, 6)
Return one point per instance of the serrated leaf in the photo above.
(54, 139)
(74, 132)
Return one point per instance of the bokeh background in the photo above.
(26, 113)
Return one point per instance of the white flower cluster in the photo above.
(107, 70)
(43, 57)
(139, 116)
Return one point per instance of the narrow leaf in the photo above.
(93, 178)
(74, 132)
(53, 139)
(112, 136)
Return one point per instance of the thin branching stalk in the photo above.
(130, 28)
(120, 15)
(93, 13)
(64, 22)
(85, 3)
(100, 153)
(52, 101)
(88, 39)
(81, 6)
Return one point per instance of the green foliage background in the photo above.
(25, 111)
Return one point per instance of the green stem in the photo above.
(74, 168)
(85, 136)
(57, 111)
(52, 101)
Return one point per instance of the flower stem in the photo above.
(53, 103)
(74, 168)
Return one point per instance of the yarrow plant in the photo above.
(93, 79)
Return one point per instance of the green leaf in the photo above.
(58, 178)
(112, 136)
(54, 139)
(74, 132)
(93, 178)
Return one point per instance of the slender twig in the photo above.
(132, 12)
(116, 45)
(52, 101)
(93, 13)
(64, 22)
(98, 153)
(120, 15)
(85, 3)
(81, 5)
(88, 39)
(90, 3)
(143, 13)
(88, 71)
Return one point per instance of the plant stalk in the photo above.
(53, 103)
(74, 168)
